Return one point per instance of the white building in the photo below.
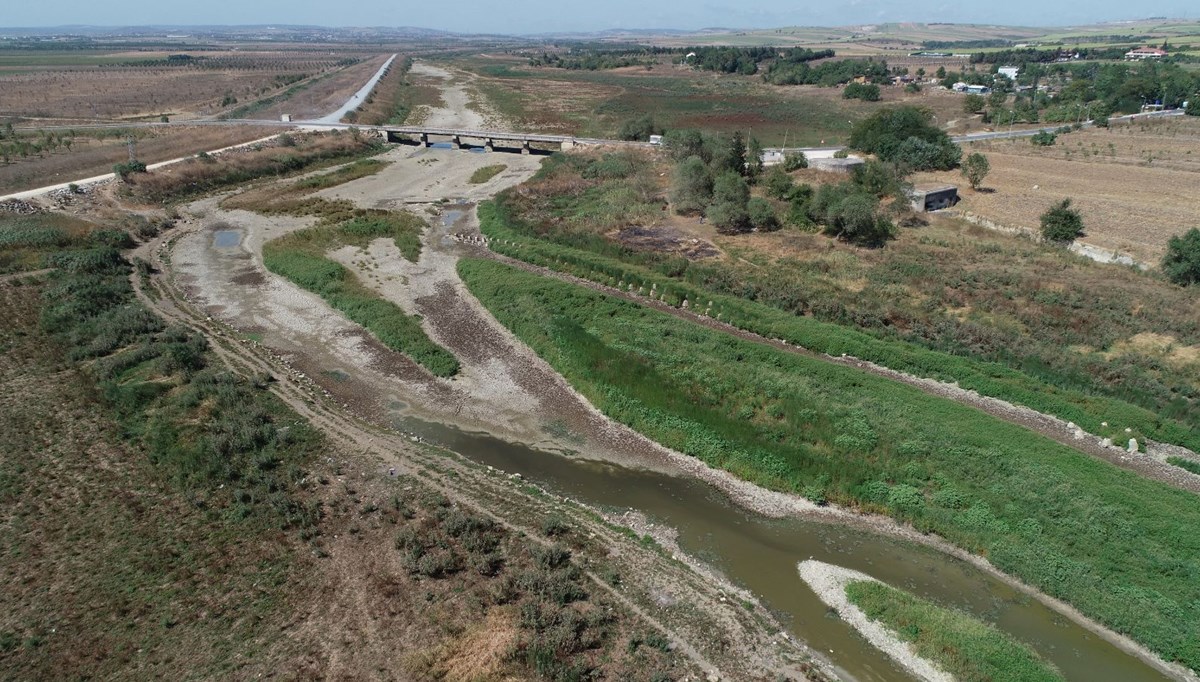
(1009, 72)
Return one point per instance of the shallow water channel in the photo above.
(761, 554)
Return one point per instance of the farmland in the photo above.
(71, 87)
(1136, 183)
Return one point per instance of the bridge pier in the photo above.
(424, 139)
(489, 145)
(457, 142)
(525, 147)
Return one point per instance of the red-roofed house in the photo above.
(1145, 53)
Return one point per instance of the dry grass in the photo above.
(324, 95)
(1128, 205)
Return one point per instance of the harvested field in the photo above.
(322, 95)
(91, 156)
(147, 85)
(1136, 186)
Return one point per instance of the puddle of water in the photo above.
(451, 217)
(225, 239)
(761, 554)
(441, 145)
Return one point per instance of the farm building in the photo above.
(1009, 72)
(1145, 53)
(933, 198)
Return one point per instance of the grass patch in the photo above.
(1069, 524)
(300, 258)
(968, 649)
(1188, 464)
(482, 175)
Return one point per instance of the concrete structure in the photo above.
(1009, 72)
(835, 165)
(488, 140)
(933, 198)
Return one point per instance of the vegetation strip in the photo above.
(1035, 509)
(592, 257)
(967, 648)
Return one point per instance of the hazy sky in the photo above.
(534, 16)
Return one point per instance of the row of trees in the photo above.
(827, 74)
(745, 60)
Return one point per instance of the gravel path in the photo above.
(829, 582)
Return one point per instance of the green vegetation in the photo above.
(1043, 138)
(1075, 527)
(975, 168)
(828, 73)
(300, 257)
(1062, 224)
(1189, 464)
(639, 129)
(867, 92)
(204, 427)
(906, 135)
(1018, 347)
(968, 649)
(482, 175)
(1181, 263)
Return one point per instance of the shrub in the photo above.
(778, 183)
(729, 212)
(794, 161)
(867, 92)
(762, 215)
(922, 155)
(1043, 138)
(1181, 263)
(124, 170)
(639, 129)
(691, 186)
(973, 104)
(1061, 223)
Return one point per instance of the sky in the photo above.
(538, 16)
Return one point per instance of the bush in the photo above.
(922, 155)
(691, 186)
(762, 215)
(973, 104)
(124, 170)
(1061, 223)
(778, 184)
(867, 92)
(851, 214)
(795, 161)
(729, 211)
(639, 129)
(1181, 264)
(1044, 138)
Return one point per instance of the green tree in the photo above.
(1043, 138)
(691, 186)
(735, 157)
(639, 129)
(754, 154)
(975, 168)
(887, 130)
(778, 183)
(1181, 264)
(973, 104)
(683, 143)
(997, 99)
(941, 73)
(794, 161)
(1062, 224)
(867, 92)
(762, 215)
(729, 210)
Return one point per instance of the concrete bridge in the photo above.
(490, 140)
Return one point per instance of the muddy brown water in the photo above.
(760, 554)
